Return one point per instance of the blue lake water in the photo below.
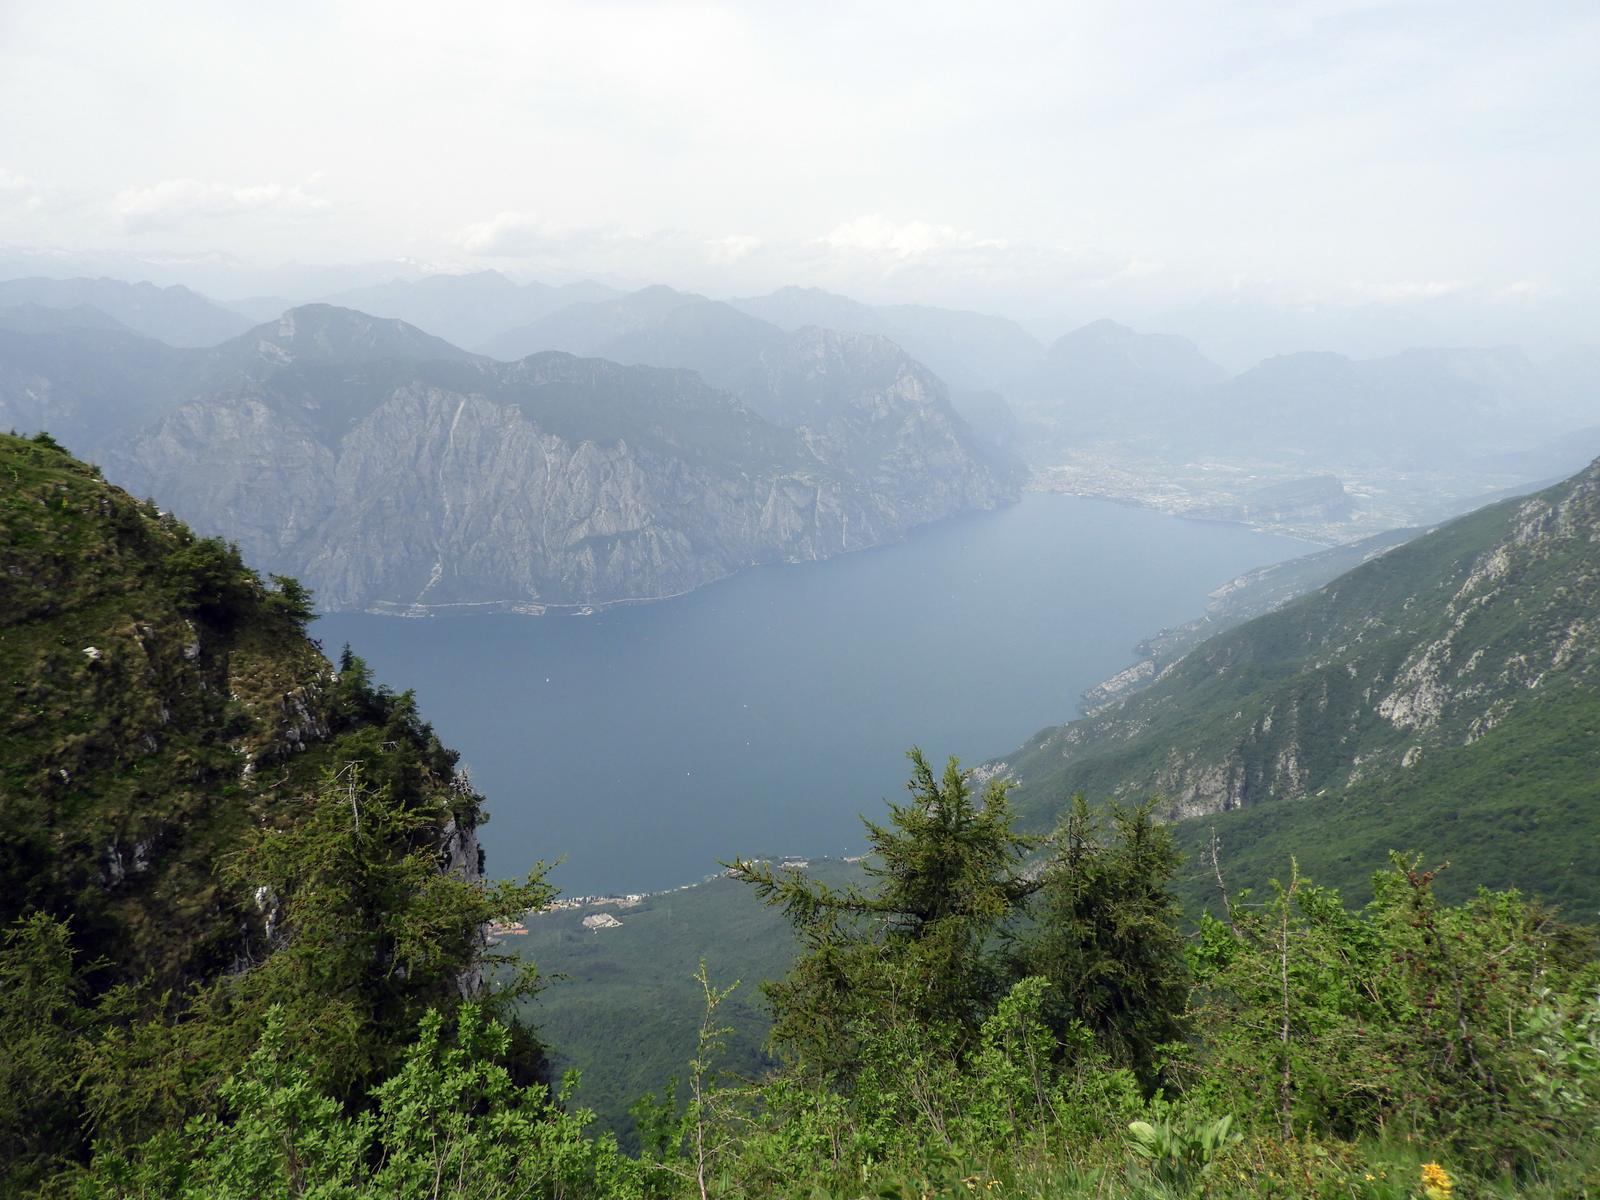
(762, 714)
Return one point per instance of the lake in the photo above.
(762, 714)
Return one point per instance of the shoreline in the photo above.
(409, 611)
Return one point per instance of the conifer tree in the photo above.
(1107, 935)
(947, 870)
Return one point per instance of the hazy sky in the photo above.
(998, 155)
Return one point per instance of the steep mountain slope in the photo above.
(1401, 670)
(792, 308)
(863, 405)
(734, 346)
(861, 402)
(393, 470)
(584, 328)
(160, 705)
(1253, 594)
(1516, 808)
(969, 351)
(87, 384)
(1420, 407)
(174, 315)
(716, 341)
(208, 829)
(37, 318)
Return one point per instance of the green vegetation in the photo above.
(622, 1007)
(205, 825)
(1517, 808)
(244, 920)
(1405, 1049)
(1440, 696)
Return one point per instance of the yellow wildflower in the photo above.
(1436, 1182)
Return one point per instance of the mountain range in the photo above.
(1315, 444)
(760, 362)
(174, 315)
(392, 470)
(466, 309)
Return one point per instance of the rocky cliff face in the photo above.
(392, 471)
(860, 401)
(862, 405)
(1424, 649)
(496, 509)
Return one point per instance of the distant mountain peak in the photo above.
(1106, 362)
(41, 318)
(328, 333)
(173, 314)
(659, 291)
(1104, 327)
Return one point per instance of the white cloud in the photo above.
(878, 236)
(735, 248)
(915, 260)
(540, 244)
(1523, 289)
(175, 203)
(919, 257)
(508, 235)
(1403, 291)
(20, 195)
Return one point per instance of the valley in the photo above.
(694, 600)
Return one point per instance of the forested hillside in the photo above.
(1445, 690)
(205, 822)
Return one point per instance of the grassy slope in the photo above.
(1519, 808)
(1207, 705)
(120, 780)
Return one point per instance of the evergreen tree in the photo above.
(1107, 935)
(915, 948)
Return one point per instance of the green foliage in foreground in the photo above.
(367, 937)
(450, 1121)
(1374, 1054)
(204, 823)
(622, 1006)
